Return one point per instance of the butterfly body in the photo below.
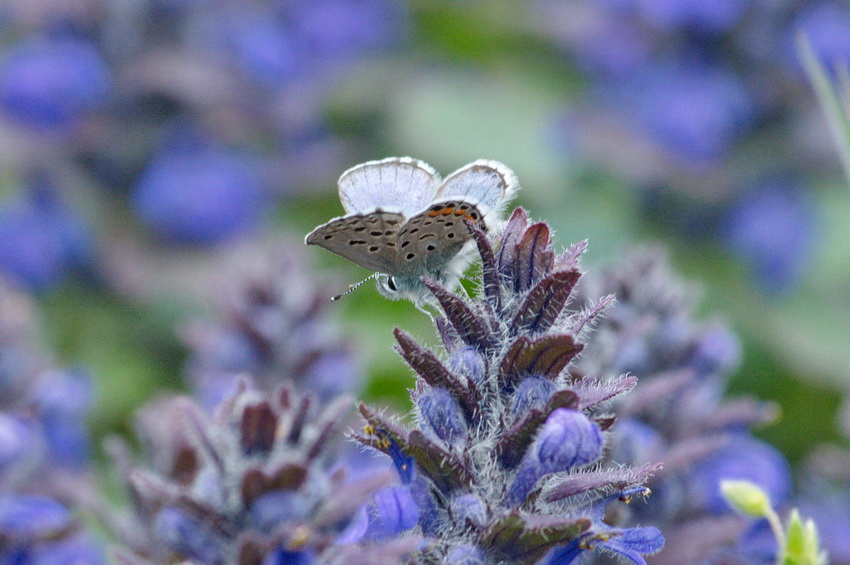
(404, 223)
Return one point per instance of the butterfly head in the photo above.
(398, 287)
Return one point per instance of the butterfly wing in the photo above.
(430, 240)
(402, 183)
(370, 239)
(489, 185)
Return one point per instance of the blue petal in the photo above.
(31, 516)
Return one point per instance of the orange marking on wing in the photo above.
(433, 213)
(448, 210)
(460, 212)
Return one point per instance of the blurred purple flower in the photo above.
(709, 16)
(255, 39)
(772, 229)
(41, 238)
(256, 477)
(344, 29)
(600, 40)
(202, 195)
(32, 516)
(271, 322)
(63, 399)
(741, 457)
(17, 440)
(694, 110)
(677, 413)
(831, 513)
(827, 26)
(50, 84)
(38, 531)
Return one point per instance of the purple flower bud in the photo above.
(532, 392)
(200, 196)
(441, 416)
(465, 555)
(467, 361)
(568, 439)
(187, 536)
(469, 507)
(51, 84)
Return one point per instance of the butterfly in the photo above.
(405, 223)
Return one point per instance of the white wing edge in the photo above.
(511, 180)
(406, 160)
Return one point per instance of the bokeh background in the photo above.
(147, 145)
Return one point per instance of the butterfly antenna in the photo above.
(352, 287)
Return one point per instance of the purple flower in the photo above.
(200, 196)
(51, 84)
(503, 465)
(772, 229)
(41, 239)
(632, 544)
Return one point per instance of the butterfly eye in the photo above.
(391, 284)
